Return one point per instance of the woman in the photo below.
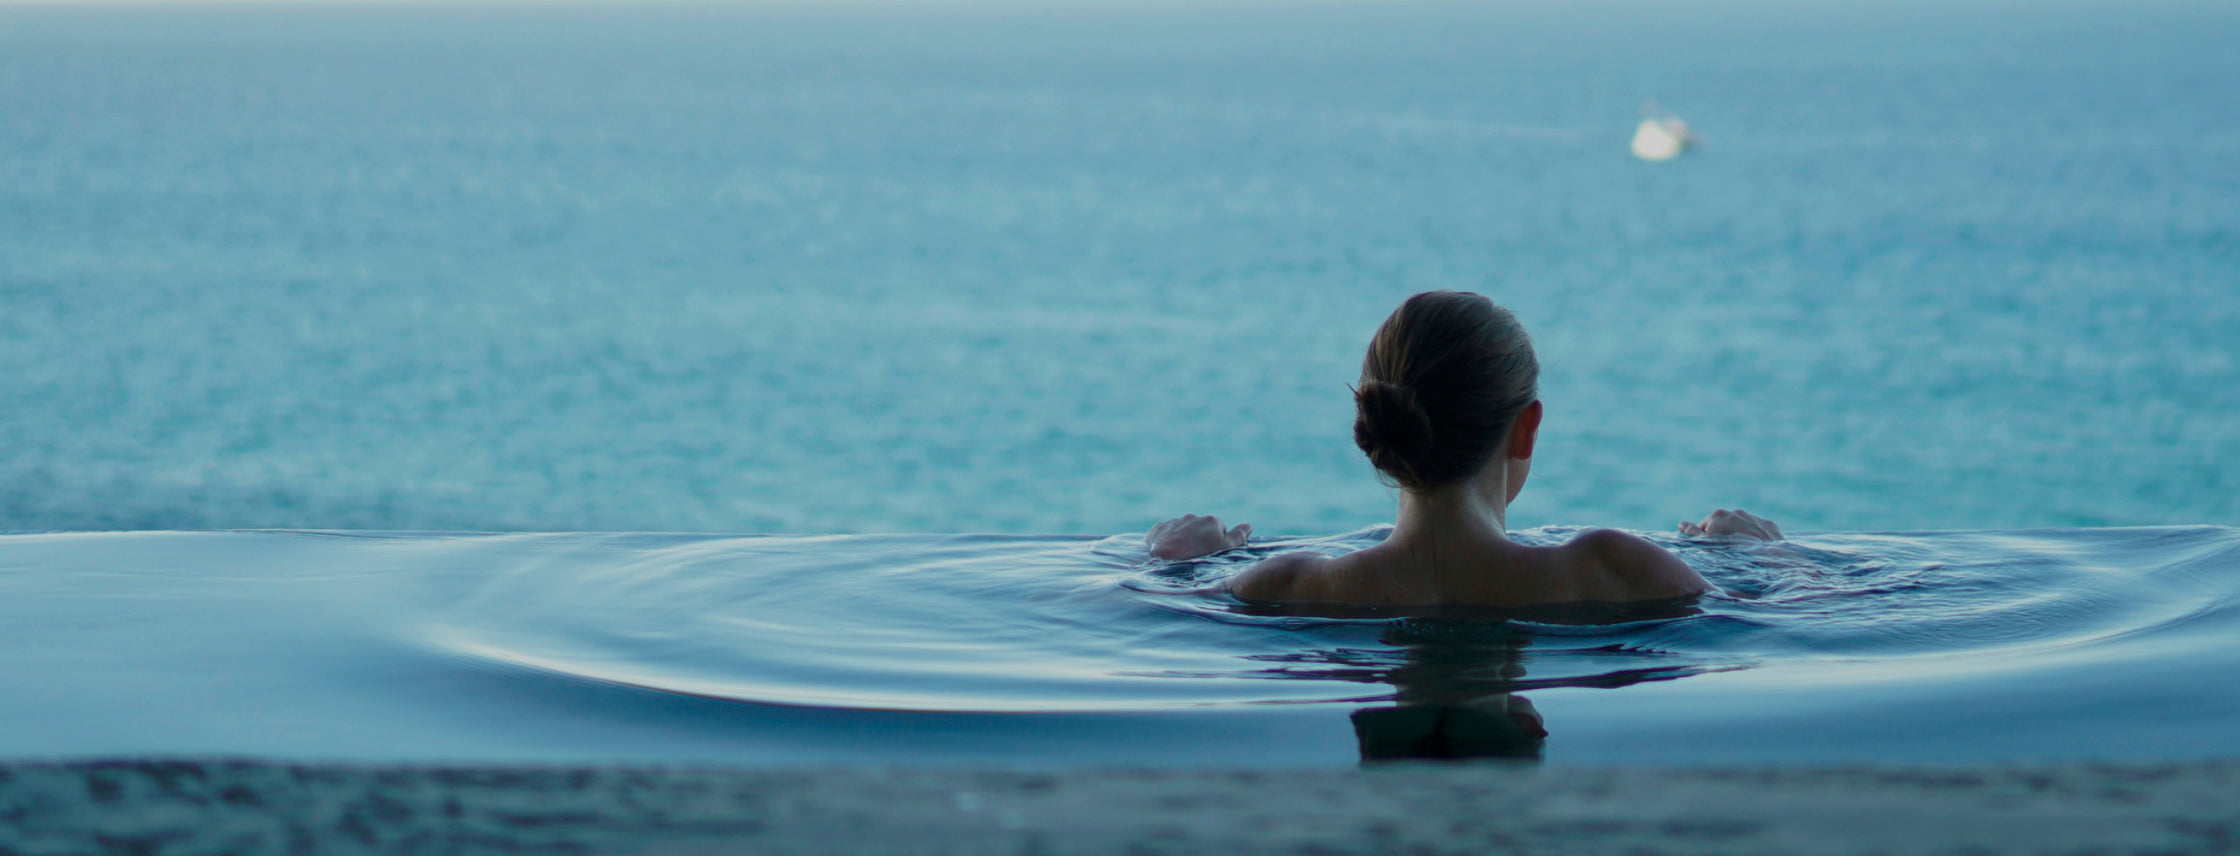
(1448, 409)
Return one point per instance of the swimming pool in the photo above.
(1075, 651)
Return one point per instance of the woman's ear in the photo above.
(1525, 431)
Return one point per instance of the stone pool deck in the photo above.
(256, 808)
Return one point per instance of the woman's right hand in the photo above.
(1191, 536)
(1736, 522)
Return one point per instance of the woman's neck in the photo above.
(1475, 510)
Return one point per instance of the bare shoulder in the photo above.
(1640, 566)
(1291, 576)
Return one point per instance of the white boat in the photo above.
(1661, 136)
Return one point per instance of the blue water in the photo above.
(1067, 268)
(1949, 289)
(1041, 651)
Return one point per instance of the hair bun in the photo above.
(1392, 427)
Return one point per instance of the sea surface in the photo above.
(925, 311)
(1072, 267)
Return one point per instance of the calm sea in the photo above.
(1066, 267)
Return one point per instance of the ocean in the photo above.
(998, 267)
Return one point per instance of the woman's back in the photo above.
(1597, 566)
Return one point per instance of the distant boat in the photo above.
(1661, 136)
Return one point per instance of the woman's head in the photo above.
(1446, 377)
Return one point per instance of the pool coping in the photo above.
(250, 807)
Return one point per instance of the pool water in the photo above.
(1062, 651)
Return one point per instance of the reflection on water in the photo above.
(1495, 726)
(1456, 673)
(1453, 701)
(1456, 686)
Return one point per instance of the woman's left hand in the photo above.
(1191, 536)
(1736, 522)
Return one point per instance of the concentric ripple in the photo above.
(1042, 624)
